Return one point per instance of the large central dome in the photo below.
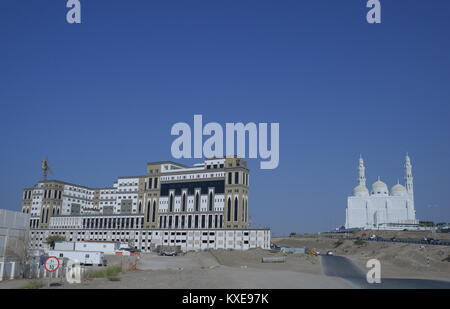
(379, 188)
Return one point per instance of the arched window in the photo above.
(243, 210)
(197, 202)
(154, 212)
(171, 203)
(229, 210)
(140, 207)
(211, 202)
(246, 210)
(148, 212)
(183, 205)
(236, 204)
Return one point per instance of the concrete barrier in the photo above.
(294, 250)
(274, 259)
(8, 270)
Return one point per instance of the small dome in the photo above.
(398, 190)
(360, 191)
(379, 188)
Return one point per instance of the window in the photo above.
(211, 201)
(171, 203)
(148, 211)
(197, 202)
(183, 206)
(229, 210)
(236, 205)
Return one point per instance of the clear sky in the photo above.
(100, 98)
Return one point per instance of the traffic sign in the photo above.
(51, 264)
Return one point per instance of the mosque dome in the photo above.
(379, 188)
(398, 190)
(361, 191)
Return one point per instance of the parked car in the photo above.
(168, 253)
(330, 253)
(274, 247)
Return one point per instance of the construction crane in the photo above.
(46, 169)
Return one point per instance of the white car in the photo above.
(330, 253)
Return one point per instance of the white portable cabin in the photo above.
(105, 247)
(84, 257)
(64, 245)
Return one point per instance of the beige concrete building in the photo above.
(207, 197)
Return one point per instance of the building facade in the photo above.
(380, 208)
(171, 197)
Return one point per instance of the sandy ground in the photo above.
(224, 269)
(218, 270)
(397, 260)
(411, 235)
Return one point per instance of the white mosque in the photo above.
(379, 208)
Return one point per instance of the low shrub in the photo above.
(338, 244)
(108, 272)
(33, 285)
(359, 243)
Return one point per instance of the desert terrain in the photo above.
(398, 260)
(227, 269)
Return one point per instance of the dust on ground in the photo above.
(397, 260)
(253, 259)
(221, 269)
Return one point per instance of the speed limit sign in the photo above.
(51, 264)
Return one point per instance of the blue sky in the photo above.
(100, 98)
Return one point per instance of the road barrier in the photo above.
(274, 259)
(9, 270)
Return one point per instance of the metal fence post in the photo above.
(38, 271)
(13, 269)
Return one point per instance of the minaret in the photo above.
(362, 172)
(408, 176)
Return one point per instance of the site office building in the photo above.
(196, 207)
